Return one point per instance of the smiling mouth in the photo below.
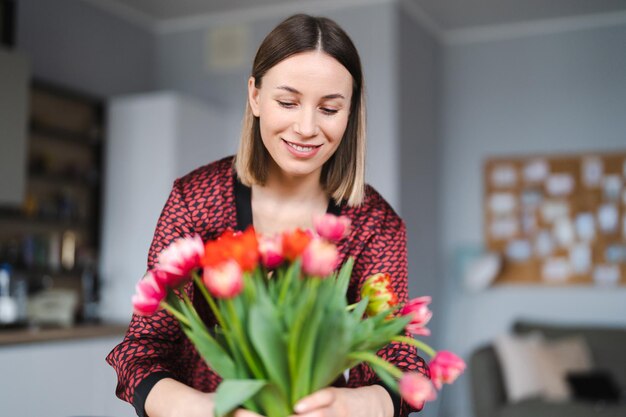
(301, 148)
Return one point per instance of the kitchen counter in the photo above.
(27, 335)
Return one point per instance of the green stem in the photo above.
(209, 299)
(351, 307)
(175, 313)
(417, 343)
(375, 360)
(242, 341)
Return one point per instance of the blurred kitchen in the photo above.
(103, 103)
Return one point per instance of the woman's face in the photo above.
(303, 107)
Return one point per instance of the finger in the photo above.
(319, 399)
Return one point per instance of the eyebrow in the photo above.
(294, 91)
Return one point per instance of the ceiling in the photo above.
(446, 14)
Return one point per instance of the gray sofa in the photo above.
(608, 349)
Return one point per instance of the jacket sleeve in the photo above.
(385, 252)
(149, 351)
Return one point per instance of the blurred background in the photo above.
(103, 103)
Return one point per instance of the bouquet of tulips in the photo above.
(284, 327)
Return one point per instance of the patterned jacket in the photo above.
(209, 201)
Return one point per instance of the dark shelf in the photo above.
(60, 180)
(61, 135)
(17, 217)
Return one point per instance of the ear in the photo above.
(253, 97)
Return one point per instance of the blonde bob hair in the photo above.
(343, 175)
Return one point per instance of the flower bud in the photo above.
(416, 389)
(225, 280)
(331, 227)
(420, 315)
(179, 259)
(294, 243)
(445, 368)
(270, 249)
(319, 258)
(381, 295)
(148, 296)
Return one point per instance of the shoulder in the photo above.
(375, 214)
(209, 178)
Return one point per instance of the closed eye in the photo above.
(328, 111)
(286, 104)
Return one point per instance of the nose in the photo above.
(306, 123)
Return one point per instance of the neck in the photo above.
(299, 189)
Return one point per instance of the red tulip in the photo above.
(179, 259)
(242, 247)
(381, 295)
(415, 388)
(270, 249)
(319, 258)
(445, 368)
(225, 280)
(295, 242)
(331, 227)
(421, 315)
(148, 296)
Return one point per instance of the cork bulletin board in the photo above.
(557, 220)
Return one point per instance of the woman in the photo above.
(301, 154)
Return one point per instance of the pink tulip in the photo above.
(415, 388)
(421, 315)
(270, 248)
(149, 295)
(319, 258)
(225, 280)
(445, 368)
(331, 227)
(179, 259)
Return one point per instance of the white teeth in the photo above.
(301, 148)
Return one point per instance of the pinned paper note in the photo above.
(536, 171)
(519, 250)
(529, 222)
(544, 244)
(554, 209)
(612, 187)
(503, 176)
(560, 185)
(504, 227)
(556, 270)
(564, 232)
(606, 275)
(502, 203)
(608, 218)
(531, 198)
(585, 226)
(592, 173)
(615, 254)
(580, 258)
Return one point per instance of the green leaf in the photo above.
(268, 339)
(330, 352)
(232, 393)
(212, 353)
(343, 278)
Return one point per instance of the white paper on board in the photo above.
(504, 227)
(563, 231)
(585, 226)
(519, 250)
(608, 218)
(612, 187)
(556, 270)
(536, 170)
(503, 176)
(606, 275)
(580, 258)
(544, 244)
(531, 198)
(502, 203)
(529, 222)
(554, 209)
(615, 254)
(593, 170)
(560, 185)
(624, 197)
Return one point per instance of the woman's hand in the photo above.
(371, 401)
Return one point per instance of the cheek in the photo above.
(334, 130)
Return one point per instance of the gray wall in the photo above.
(555, 93)
(419, 66)
(73, 44)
